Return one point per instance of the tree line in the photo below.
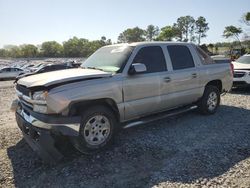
(74, 47)
(186, 29)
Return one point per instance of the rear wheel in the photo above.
(96, 131)
(210, 100)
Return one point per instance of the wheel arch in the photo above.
(76, 108)
(216, 83)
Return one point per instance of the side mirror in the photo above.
(137, 68)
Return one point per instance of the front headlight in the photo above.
(40, 95)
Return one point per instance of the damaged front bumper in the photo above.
(41, 131)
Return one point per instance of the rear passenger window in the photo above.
(152, 57)
(206, 59)
(180, 56)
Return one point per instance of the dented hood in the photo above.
(58, 77)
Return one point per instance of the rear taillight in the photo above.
(232, 69)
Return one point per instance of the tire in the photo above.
(210, 100)
(96, 130)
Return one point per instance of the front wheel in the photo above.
(210, 100)
(96, 131)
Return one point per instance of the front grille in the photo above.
(27, 104)
(239, 83)
(22, 89)
(239, 74)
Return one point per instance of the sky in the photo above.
(36, 21)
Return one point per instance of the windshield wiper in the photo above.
(95, 68)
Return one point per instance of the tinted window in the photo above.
(206, 59)
(48, 68)
(60, 67)
(181, 57)
(6, 70)
(152, 57)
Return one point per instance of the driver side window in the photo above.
(152, 57)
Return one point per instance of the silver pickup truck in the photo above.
(120, 85)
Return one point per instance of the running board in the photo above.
(159, 116)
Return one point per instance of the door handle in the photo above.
(167, 79)
(194, 75)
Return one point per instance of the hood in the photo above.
(57, 77)
(240, 66)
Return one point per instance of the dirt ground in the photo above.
(189, 150)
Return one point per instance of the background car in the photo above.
(242, 71)
(47, 68)
(10, 73)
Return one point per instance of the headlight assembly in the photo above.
(40, 95)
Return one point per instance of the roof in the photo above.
(148, 42)
(156, 43)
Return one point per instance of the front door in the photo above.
(142, 92)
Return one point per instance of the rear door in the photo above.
(142, 92)
(183, 87)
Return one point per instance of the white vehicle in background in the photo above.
(242, 71)
(36, 67)
(10, 73)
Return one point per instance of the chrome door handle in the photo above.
(167, 79)
(194, 75)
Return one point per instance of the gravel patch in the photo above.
(6, 84)
(188, 150)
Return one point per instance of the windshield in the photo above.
(109, 59)
(244, 59)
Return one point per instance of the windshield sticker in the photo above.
(118, 50)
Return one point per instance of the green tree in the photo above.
(186, 26)
(95, 45)
(3, 53)
(108, 42)
(29, 50)
(246, 18)
(103, 38)
(105, 41)
(211, 47)
(51, 49)
(151, 32)
(132, 35)
(14, 52)
(75, 47)
(216, 49)
(168, 33)
(201, 27)
(232, 32)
